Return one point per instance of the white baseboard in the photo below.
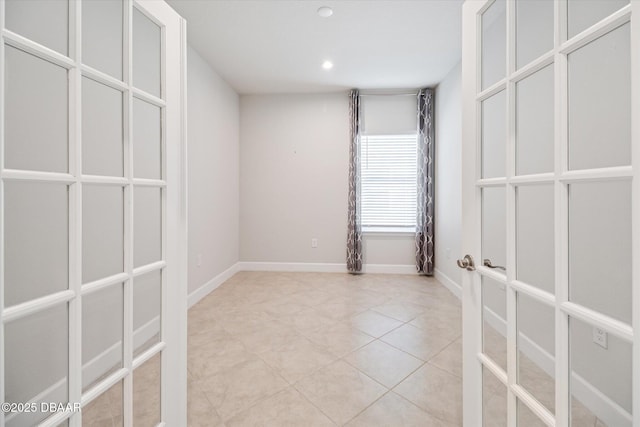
(448, 283)
(305, 267)
(389, 269)
(56, 393)
(212, 284)
(597, 402)
(100, 364)
(299, 267)
(91, 371)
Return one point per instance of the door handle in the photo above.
(466, 263)
(487, 263)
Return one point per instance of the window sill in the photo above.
(399, 231)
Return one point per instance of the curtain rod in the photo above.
(391, 94)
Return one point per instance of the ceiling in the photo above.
(278, 46)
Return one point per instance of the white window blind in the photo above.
(389, 180)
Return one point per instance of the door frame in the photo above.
(471, 290)
(173, 343)
(174, 298)
(473, 358)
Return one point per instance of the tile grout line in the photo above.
(274, 371)
(367, 407)
(304, 396)
(371, 378)
(425, 409)
(343, 321)
(204, 394)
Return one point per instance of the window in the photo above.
(389, 163)
(389, 177)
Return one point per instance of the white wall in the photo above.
(293, 168)
(294, 154)
(213, 173)
(390, 249)
(448, 201)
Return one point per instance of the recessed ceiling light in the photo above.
(325, 11)
(327, 65)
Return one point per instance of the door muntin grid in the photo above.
(79, 183)
(521, 282)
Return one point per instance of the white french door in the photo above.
(551, 212)
(92, 213)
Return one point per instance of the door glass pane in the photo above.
(534, 123)
(102, 36)
(43, 21)
(146, 53)
(494, 228)
(36, 235)
(106, 409)
(534, 29)
(494, 136)
(102, 231)
(526, 418)
(536, 349)
(147, 140)
(494, 327)
(600, 102)
(494, 401)
(600, 247)
(535, 236)
(36, 113)
(147, 300)
(599, 374)
(583, 14)
(102, 329)
(29, 376)
(146, 393)
(147, 223)
(494, 43)
(102, 131)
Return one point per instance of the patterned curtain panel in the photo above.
(354, 239)
(426, 147)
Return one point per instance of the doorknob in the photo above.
(467, 263)
(487, 263)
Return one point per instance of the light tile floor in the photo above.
(307, 349)
(303, 349)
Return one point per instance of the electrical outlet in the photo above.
(600, 337)
(199, 260)
(314, 243)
